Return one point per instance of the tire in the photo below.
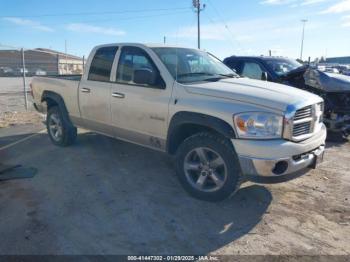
(214, 181)
(60, 129)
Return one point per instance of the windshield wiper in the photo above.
(196, 74)
(229, 75)
(213, 77)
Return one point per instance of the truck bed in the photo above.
(67, 77)
(65, 86)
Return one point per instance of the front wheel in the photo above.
(207, 167)
(60, 130)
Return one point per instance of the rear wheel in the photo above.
(208, 167)
(60, 129)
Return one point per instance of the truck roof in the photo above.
(149, 45)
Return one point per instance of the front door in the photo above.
(139, 111)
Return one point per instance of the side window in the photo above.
(101, 65)
(252, 70)
(135, 63)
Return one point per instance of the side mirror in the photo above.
(145, 77)
(264, 76)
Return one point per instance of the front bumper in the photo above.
(279, 157)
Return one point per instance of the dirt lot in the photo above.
(103, 196)
(11, 94)
(12, 103)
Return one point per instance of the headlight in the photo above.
(259, 125)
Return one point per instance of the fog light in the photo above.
(280, 167)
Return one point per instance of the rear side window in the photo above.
(101, 65)
(252, 70)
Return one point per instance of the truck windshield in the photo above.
(190, 65)
(283, 66)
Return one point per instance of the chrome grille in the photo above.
(303, 122)
(301, 129)
(303, 113)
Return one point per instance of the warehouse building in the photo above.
(39, 61)
(339, 60)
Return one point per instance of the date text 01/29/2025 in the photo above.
(173, 258)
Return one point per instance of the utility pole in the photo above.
(198, 9)
(304, 21)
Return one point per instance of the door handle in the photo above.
(118, 95)
(86, 90)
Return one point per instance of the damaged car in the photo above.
(333, 88)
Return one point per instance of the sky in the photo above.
(229, 27)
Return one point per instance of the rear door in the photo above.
(139, 112)
(95, 89)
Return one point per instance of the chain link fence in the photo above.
(19, 65)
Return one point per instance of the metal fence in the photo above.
(18, 65)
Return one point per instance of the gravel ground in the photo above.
(103, 196)
(12, 103)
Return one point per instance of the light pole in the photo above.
(198, 9)
(302, 39)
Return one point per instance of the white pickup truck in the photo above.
(220, 127)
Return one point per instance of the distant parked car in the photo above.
(343, 69)
(6, 71)
(40, 72)
(19, 71)
(334, 88)
(332, 70)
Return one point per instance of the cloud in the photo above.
(294, 3)
(29, 23)
(213, 31)
(85, 28)
(246, 31)
(339, 7)
(281, 34)
(277, 2)
(312, 2)
(208, 32)
(346, 21)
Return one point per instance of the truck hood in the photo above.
(262, 93)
